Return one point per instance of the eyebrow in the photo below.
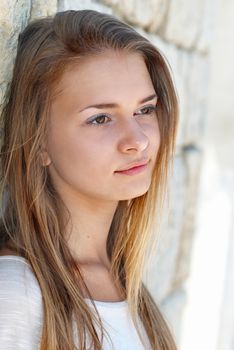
(114, 105)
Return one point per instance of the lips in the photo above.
(134, 165)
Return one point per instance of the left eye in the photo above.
(99, 119)
(147, 110)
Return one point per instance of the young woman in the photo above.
(89, 126)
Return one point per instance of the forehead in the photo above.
(106, 75)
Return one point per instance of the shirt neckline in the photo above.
(115, 304)
(14, 257)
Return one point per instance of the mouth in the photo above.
(134, 170)
(134, 165)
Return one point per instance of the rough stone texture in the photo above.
(147, 14)
(41, 8)
(14, 15)
(184, 22)
(192, 156)
(82, 5)
(211, 10)
(197, 93)
(191, 73)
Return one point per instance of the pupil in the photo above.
(101, 118)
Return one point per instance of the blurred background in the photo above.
(191, 274)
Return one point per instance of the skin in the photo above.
(82, 158)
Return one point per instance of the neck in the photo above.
(88, 230)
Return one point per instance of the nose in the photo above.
(132, 137)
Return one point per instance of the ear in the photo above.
(45, 158)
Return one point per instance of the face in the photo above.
(87, 143)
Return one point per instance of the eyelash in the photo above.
(151, 108)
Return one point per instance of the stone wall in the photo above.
(182, 30)
(14, 16)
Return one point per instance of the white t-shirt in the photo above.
(21, 312)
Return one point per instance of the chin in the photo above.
(134, 194)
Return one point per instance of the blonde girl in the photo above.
(89, 126)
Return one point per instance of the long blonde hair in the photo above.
(31, 221)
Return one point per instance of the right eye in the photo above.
(100, 117)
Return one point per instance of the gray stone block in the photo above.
(64, 5)
(148, 14)
(184, 22)
(14, 16)
(41, 8)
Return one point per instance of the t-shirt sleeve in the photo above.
(20, 305)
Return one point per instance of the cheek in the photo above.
(73, 151)
(154, 136)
